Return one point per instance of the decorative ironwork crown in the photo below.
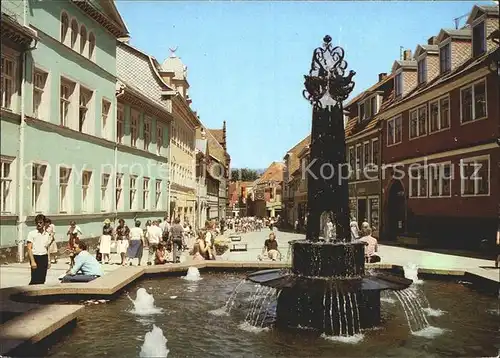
(327, 75)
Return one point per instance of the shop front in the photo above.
(364, 203)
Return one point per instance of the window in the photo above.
(422, 70)
(74, 34)
(373, 106)
(147, 132)
(119, 189)
(418, 181)
(8, 81)
(64, 27)
(418, 122)
(158, 205)
(64, 176)
(104, 192)
(86, 192)
(5, 186)
(358, 157)
(475, 176)
(352, 161)
(445, 58)
(375, 151)
(145, 194)
(439, 112)
(134, 123)
(413, 124)
(478, 40)
(67, 89)
(159, 138)
(84, 114)
(39, 81)
(362, 111)
(37, 179)
(394, 133)
(83, 40)
(440, 176)
(91, 45)
(473, 102)
(398, 84)
(120, 125)
(133, 190)
(105, 112)
(367, 155)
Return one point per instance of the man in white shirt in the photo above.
(154, 236)
(37, 244)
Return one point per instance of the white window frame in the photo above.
(394, 131)
(375, 143)
(67, 90)
(133, 192)
(422, 181)
(366, 144)
(439, 121)
(106, 116)
(9, 82)
(86, 97)
(158, 196)
(417, 111)
(481, 21)
(91, 46)
(65, 32)
(7, 184)
(87, 194)
(145, 193)
(40, 95)
(65, 187)
(159, 137)
(422, 69)
(147, 123)
(447, 67)
(473, 86)
(134, 127)
(83, 41)
(476, 181)
(118, 202)
(441, 178)
(120, 124)
(38, 185)
(358, 158)
(74, 36)
(398, 83)
(105, 183)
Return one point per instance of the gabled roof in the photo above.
(405, 64)
(293, 154)
(218, 134)
(433, 49)
(273, 173)
(215, 150)
(460, 34)
(478, 10)
(370, 89)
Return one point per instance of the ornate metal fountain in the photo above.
(327, 288)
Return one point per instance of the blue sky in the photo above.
(246, 60)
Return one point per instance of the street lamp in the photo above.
(326, 87)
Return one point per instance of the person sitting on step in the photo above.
(271, 248)
(371, 246)
(86, 267)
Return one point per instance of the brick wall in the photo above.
(432, 66)
(409, 80)
(460, 52)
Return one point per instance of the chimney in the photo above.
(224, 136)
(407, 55)
(382, 76)
(431, 40)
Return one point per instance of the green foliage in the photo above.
(244, 174)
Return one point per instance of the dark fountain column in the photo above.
(327, 191)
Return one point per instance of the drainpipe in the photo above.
(119, 93)
(169, 180)
(380, 184)
(21, 220)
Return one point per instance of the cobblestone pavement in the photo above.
(18, 274)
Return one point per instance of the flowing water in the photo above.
(193, 274)
(468, 328)
(155, 344)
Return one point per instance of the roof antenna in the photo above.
(457, 20)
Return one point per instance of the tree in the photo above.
(244, 174)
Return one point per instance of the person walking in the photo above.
(154, 235)
(122, 235)
(38, 242)
(176, 234)
(53, 250)
(105, 241)
(136, 244)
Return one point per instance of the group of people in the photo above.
(41, 245)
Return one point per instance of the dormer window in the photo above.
(362, 111)
(422, 70)
(373, 106)
(445, 58)
(398, 84)
(478, 40)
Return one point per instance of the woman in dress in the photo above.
(122, 235)
(200, 250)
(51, 229)
(136, 244)
(73, 233)
(105, 241)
